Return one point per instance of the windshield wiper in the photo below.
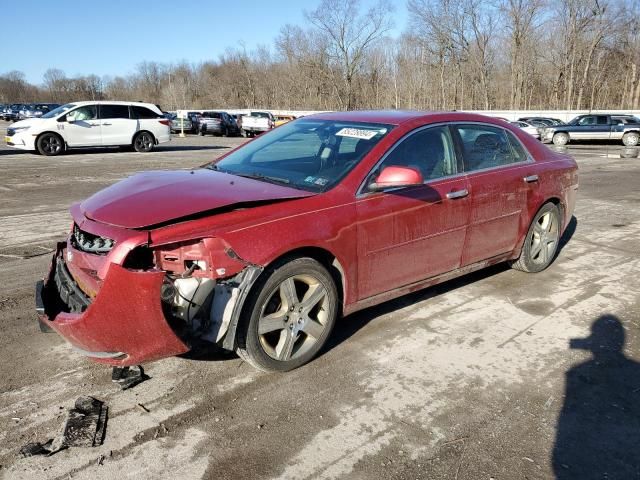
(260, 176)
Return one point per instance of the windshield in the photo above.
(312, 155)
(57, 111)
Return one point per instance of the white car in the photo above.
(527, 127)
(92, 124)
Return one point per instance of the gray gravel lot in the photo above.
(473, 379)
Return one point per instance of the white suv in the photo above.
(92, 124)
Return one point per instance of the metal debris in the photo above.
(85, 427)
(128, 377)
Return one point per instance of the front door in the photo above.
(117, 127)
(85, 129)
(406, 235)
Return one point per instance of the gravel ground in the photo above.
(474, 379)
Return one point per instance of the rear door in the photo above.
(496, 165)
(409, 234)
(84, 130)
(117, 127)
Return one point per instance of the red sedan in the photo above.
(262, 250)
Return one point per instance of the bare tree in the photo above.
(349, 35)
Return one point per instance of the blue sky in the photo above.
(109, 37)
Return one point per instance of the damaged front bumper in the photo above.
(123, 325)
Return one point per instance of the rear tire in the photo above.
(631, 139)
(50, 144)
(541, 243)
(560, 139)
(288, 316)
(143, 142)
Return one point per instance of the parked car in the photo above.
(595, 127)
(217, 123)
(282, 119)
(256, 123)
(91, 124)
(179, 125)
(541, 121)
(35, 110)
(263, 249)
(532, 130)
(194, 117)
(11, 112)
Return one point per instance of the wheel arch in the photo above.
(155, 140)
(326, 259)
(321, 255)
(39, 136)
(557, 201)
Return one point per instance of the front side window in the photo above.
(430, 151)
(114, 111)
(485, 147)
(306, 154)
(587, 121)
(86, 112)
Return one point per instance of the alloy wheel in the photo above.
(51, 144)
(144, 142)
(293, 317)
(544, 240)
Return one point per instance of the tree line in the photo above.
(453, 54)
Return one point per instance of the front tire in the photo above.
(631, 139)
(541, 243)
(50, 144)
(288, 316)
(560, 139)
(143, 142)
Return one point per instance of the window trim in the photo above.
(488, 169)
(63, 117)
(361, 191)
(101, 105)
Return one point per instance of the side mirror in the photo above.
(395, 177)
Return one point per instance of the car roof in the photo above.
(397, 117)
(114, 102)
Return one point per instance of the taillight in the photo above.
(164, 122)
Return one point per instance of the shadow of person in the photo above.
(598, 432)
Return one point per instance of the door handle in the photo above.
(457, 194)
(106, 124)
(94, 124)
(531, 178)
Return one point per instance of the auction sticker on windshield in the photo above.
(358, 133)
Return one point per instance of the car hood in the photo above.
(26, 123)
(160, 197)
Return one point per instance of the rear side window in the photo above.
(114, 111)
(485, 147)
(602, 120)
(518, 150)
(143, 112)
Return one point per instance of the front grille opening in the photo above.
(90, 243)
(140, 258)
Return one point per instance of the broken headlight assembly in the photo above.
(195, 288)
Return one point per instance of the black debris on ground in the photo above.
(85, 427)
(128, 377)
